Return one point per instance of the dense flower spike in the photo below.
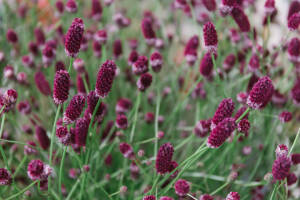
(117, 49)
(296, 158)
(105, 78)
(295, 93)
(206, 65)
(5, 177)
(182, 187)
(281, 167)
(233, 196)
(281, 150)
(133, 57)
(294, 8)
(96, 10)
(202, 128)
(42, 84)
(126, 150)
(285, 116)
(206, 197)
(74, 37)
(254, 63)
(121, 121)
(144, 81)
(294, 50)
(227, 6)
(244, 126)
(63, 135)
(39, 36)
(81, 131)
(61, 86)
(294, 21)
(241, 19)
(221, 132)
(37, 170)
(291, 179)
(11, 36)
(210, 4)
(71, 6)
(148, 31)
(164, 158)
(123, 105)
(261, 93)
(74, 109)
(140, 66)
(156, 61)
(210, 37)
(149, 197)
(59, 4)
(190, 51)
(42, 137)
(8, 100)
(224, 110)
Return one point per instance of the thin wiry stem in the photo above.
(61, 170)
(135, 117)
(22, 191)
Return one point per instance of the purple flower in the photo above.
(117, 48)
(126, 150)
(295, 92)
(37, 170)
(202, 128)
(182, 187)
(233, 196)
(149, 197)
(121, 121)
(133, 57)
(210, 37)
(254, 63)
(39, 36)
(164, 158)
(144, 81)
(285, 116)
(294, 50)
(281, 150)
(206, 197)
(74, 109)
(63, 135)
(241, 19)
(140, 66)
(96, 10)
(42, 83)
(294, 21)
(74, 37)
(148, 31)
(281, 167)
(81, 131)
(224, 110)
(261, 93)
(156, 61)
(123, 105)
(61, 86)
(11, 36)
(296, 158)
(71, 6)
(101, 36)
(42, 137)
(5, 177)
(206, 65)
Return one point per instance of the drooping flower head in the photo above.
(164, 158)
(224, 110)
(61, 86)
(74, 37)
(261, 93)
(182, 187)
(221, 132)
(74, 109)
(105, 78)
(241, 19)
(210, 37)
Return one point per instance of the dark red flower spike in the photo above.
(164, 158)
(73, 37)
(61, 86)
(144, 81)
(42, 83)
(148, 31)
(42, 137)
(241, 19)
(224, 110)
(210, 37)
(81, 131)
(74, 109)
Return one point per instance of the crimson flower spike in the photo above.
(74, 37)
(210, 37)
(164, 158)
(241, 19)
(61, 86)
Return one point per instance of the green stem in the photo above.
(61, 170)
(22, 191)
(20, 166)
(1, 149)
(219, 188)
(135, 116)
(156, 124)
(243, 115)
(73, 189)
(295, 141)
(70, 65)
(274, 191)
(52, 144)
(154, 184)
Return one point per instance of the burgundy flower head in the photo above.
(227, 6)
(61, 86)
(42, 137)
(37, 170)
(121, 121)
(295, 93)
(221, 132)
(210, 37)
(244, 126)
(210, 4)
(74, 37)
(224, 110)
(206, 197)
(148, 31)
(202, 128)
(229, 62)
(8, 72)
(291, 179)
(261, 93)
(92, 100)
(281, 150)
(97, 49)
(164, 158)
(42, 84)
(241, 97)
(182, 187)
(59, 4)
(294, 50)
(294, 21)
(126, 150)
(156, 61)
(11, 36)
(24, 107)
(101, 36)
(74, 109)
(144, 81)
(123, 105)
(63, 135)
(241, 19)
(79, 65)
(285, 116)
(190, 51)
(254, 63)
(39, 36)
(5, 177)
(281, 167)
(29, 148)
(294, 8)
(296, 158)
(133, 57)
(71, 6)
(81, 131)
(149, 197)
(48, 55)
(270, 6)
(59, 65)
(8, 99)
(140, 66)
(117, 48)
(96, 10)
(206, 65)
(233, 196)
(105, 78)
